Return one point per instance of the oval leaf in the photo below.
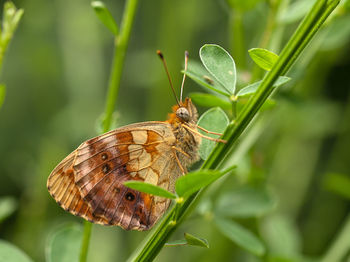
(246, 202)
(240, 235)
(220, 64)
(105, 16)
(250, 89)
(11, 253)
(194, 181)
(149, 189)
(214, 120)
(208, 100)
(64, 245)
(263, 58)
(196, 241)
(7, 206)
(201, 76)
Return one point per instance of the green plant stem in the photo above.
(120, 46)
(86, 241)
(237, 38)
(152, 245)
(266, 37)
(341, 245)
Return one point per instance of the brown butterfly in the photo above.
(89, 182)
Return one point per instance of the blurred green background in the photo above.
(56, 72)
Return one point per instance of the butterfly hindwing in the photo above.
(94, 174)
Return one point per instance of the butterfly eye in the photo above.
(183, 114)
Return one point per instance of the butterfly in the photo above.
(89, 182)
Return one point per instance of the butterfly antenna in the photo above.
(184, 77)
(159, 53)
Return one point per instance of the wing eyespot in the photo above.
(104, 156)
(130, 196)
(105, 168)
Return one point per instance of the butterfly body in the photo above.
(89, 182)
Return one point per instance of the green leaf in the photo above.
(149, 188)
(64, 244)
(208, 100)
(214, 120)
(201, 76)
(296, 11)
(196, 241)
(250, 89)
(190, 240)
(11, 18)
(194, 181)
(220, 64)
(278, 226)
(246, 202)
(337, 33)
(180, 242)
(2, 94)
(338, 183)
(105, 16)
(240, 235)
(7, 206)
(11, 253)
(263, 58)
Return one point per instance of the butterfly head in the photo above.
(186, 112)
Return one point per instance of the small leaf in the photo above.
(149, 188)
(11, 253)
(263, 58)
(7, 206)
(196, 241)
(180, 242)
(189, 240)
(214, 120)
(194, 181)
(64, 244)
(220, 64)
(208, 100)
(201, 76)
(240, 235)
(250, 89)
(2, 94)
(11, 18)
(105, 16)
(246, 202)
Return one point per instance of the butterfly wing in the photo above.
(96, 171)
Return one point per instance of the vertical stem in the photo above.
(121, 42)
(86, 241)
(237, 38)
(120, 47)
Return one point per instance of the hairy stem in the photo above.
(152, 245)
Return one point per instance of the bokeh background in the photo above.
(56, 72)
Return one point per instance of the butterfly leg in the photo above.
(183, 169)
